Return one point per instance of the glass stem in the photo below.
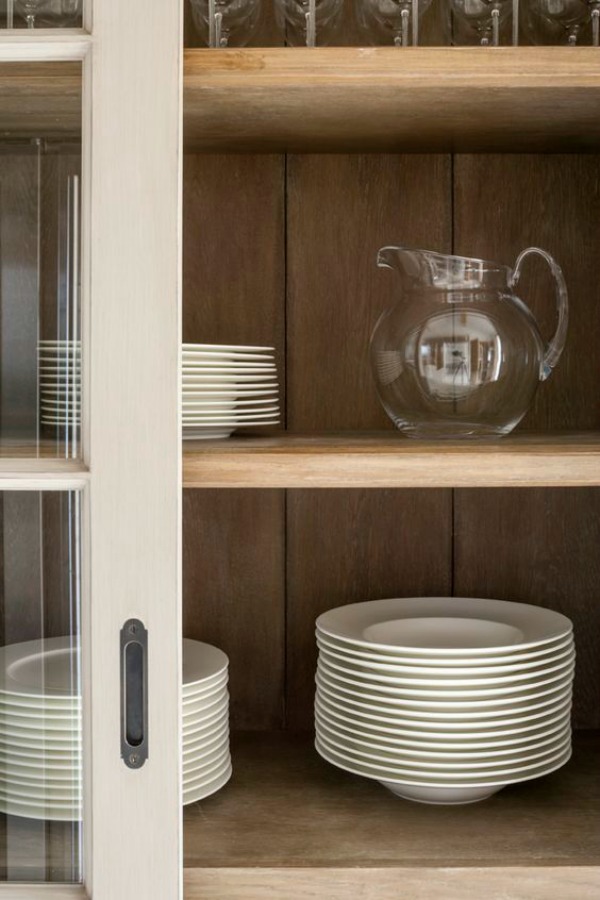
(212, 23)
(596, 27)
(404, 17)
(495, 27)
(311, 24)
(10, 9)
(515, 23)
(415, 23)
(30, 19)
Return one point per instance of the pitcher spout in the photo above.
(441, 270)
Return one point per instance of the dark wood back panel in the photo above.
(541, 547)
(504, 203)
(283, 252)
(348, 546)
(234, 594)
(340, 211)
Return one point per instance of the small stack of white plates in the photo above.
(206, 755)
(441, 699)
(227, 387)
(59, 375)
(40, 727)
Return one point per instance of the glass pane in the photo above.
(40, 716)
(40, 318)
(41, 13)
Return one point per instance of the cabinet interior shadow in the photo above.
(260, 566)
(281, 251)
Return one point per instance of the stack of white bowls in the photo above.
(227, 387)
(59, 379)
(444, 700)
(40, 727)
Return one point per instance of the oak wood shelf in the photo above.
(40, 100)
(387, 460)
(289, 823)
(352, 98)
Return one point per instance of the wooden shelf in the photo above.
(291, 825)
(388, 460)
(40, 100)
(351, 98)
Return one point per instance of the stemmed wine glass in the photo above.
(560, 21)
(307, 22)
(224, 23)
(48, 13)
(484, 18)
(391, 21)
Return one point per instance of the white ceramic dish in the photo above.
(212, 741)
(208, 771)
(201, 662)
(413, 700)
(48, 812)
(208, 382)
(39, 668)
(443, 626)
(204, 790)
(503, 716)
(420, 668)
(211, 725)
(197, 767)
(234, 393)
(444, 762)
(450, 740)
(258, 403)
(228, 348)
(207, 434)
(449, 685)
(210, 418)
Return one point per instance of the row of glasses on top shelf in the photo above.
(41, 13)
(223, 23)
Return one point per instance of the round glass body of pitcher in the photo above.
(460, 355)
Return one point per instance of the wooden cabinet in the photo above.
(298, 165)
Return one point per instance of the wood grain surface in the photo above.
(234, 252)
(234, 594)
(504, 203)
(352, 99)
(285, 806)
(341, 210)
(303, 883)
(348, 546)
(540, 547)
(386, 459)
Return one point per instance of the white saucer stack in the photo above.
(444, 700)
(40, 727)
(59, 378)
(227, 387)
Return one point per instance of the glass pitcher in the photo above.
(460, 354)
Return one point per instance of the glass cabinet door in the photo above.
(90, 471)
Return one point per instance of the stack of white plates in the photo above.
(59, 374)
(444, 700)
(223, 387)
(206, 755)
(227, 387)
(40, 727)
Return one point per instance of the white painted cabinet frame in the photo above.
(131, 473)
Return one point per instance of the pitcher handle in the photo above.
(556, 345)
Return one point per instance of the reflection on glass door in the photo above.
(41, 13)
(40, 691)
(40, 317)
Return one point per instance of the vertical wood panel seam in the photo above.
(452, 490)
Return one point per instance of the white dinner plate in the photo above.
(424, 668)
(467, 689)
(42, 668)
(212, 381)
(501, 713)
(445, 626)
(197, 693)
(234, 393)
(207, 434)
(213, 740)
(206, 789)
(421, 735)
(44, 713)
(259, 403)
(200, 662)
(198, 766)
(246, 421)
(48, 812)
(440, 792)
(211, 725)
(226, 366)
(388, 771)
(387, 696)
(34, 768)
(227, 348)
(224, 410)
(443, 761)
(207, 772)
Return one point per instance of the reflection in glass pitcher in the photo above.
(460, 355)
